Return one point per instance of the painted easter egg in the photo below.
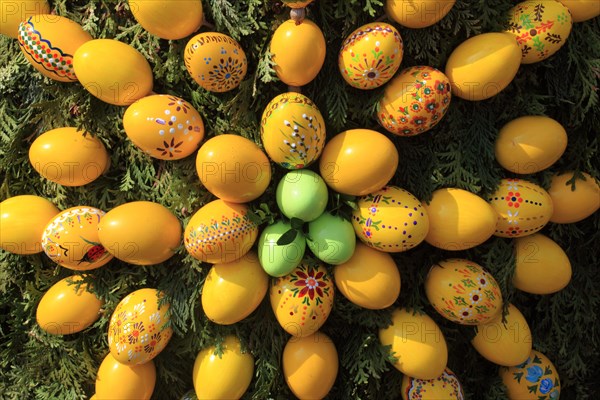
(331, 238)
(358, 162)
(280, 259)
(371, 55)
(390, 220)
(139, 328)
(164, 127)
(49, 42)
(483, 65)
(535, 379)
(446, 386)
(414, 101)
(220, 232)
(297, 3)
(302, 194)
(233, 168)
(292, 130)
(541, 28)
(140, 232)
(232, 291)
(463, 292)
(530, 144)
(523, 208)
(22, 223)
(418, 344)
(302, 300)
(65, 309)
(215, 61)
(15, 12)
(369, 279)
(69, 157)
(298, 51)
(166, 19)
(117, 381)
(504, 342)
(582, 10)
(310, 365)
(418, 14)
(459, 220)
(573, 205)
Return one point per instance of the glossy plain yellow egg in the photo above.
(535, 379)
(69, 157)
(298, 52)
(573, 205)
(483, 65)
(418, 14)
(116, 381)
(113, 71)
(444, 387)
(22, 223)
(15, 12)
(582, 10)
(297, 3)
(166, 19)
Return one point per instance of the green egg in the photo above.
(331, 239)
(279, 260)
(302, 194)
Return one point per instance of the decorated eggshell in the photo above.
(279, 260)
(414, 101)
(418, 344)
(483, 65)
(371, 55)
(140, 232)
(535, 379)
(292, 130)
(463, 292)
(446, 386)
(117, 381)
(233, 168)
(298, 52)
(302, 194)
(113, 71)
(390, 220)
(64, 310)
(297, 3)
(582, 10)
(15, 12)
(139, 328)
(166, 19)
(69, 157)
(220, 232)
(164, 127)
(541, 28)
(370, 279)
(22, 222)
(310, 365)
(215, 61)
(418, 14)
(331, 238)
(358, 162)
(459, 220)
(232, 291)
(49, 42)
(523, 208)
(573, 205)
(302, 300)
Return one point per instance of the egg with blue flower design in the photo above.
(535, 379)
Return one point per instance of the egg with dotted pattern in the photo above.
(15, 12)
(446, 386)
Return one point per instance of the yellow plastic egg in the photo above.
(541, 28)
(371, 55)
(166, 19)
(310, 365)
(220, 232)
(215, 61)
(297, 3)
(65, 309)
(582, 10)
(446, 387)
(505, 343)
(483, 65)
(139, 328)
(292, 130)
(116, 381)
(523, 208)
(459, 220)
(358, 162)
(414, 101)
(225, 376)
(391, 220)
(573, 205)
(463, 292)
(535, 379)
(69, 157)
(298, 52)
(418, 344)
(370, 279)
(530, 144)
(22, 222)
(14, 12)
(113, 71)
(140, 233)
(542, 267)
(232, 291)
(418, 14)
(164, 127)
(302, 300)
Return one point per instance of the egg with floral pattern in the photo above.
(535, 379)
(139, 328)
(414, 101)
(446, 387)
(302, 300)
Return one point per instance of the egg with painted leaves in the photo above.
(166, 19)
(446, 387)
(536, 378)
